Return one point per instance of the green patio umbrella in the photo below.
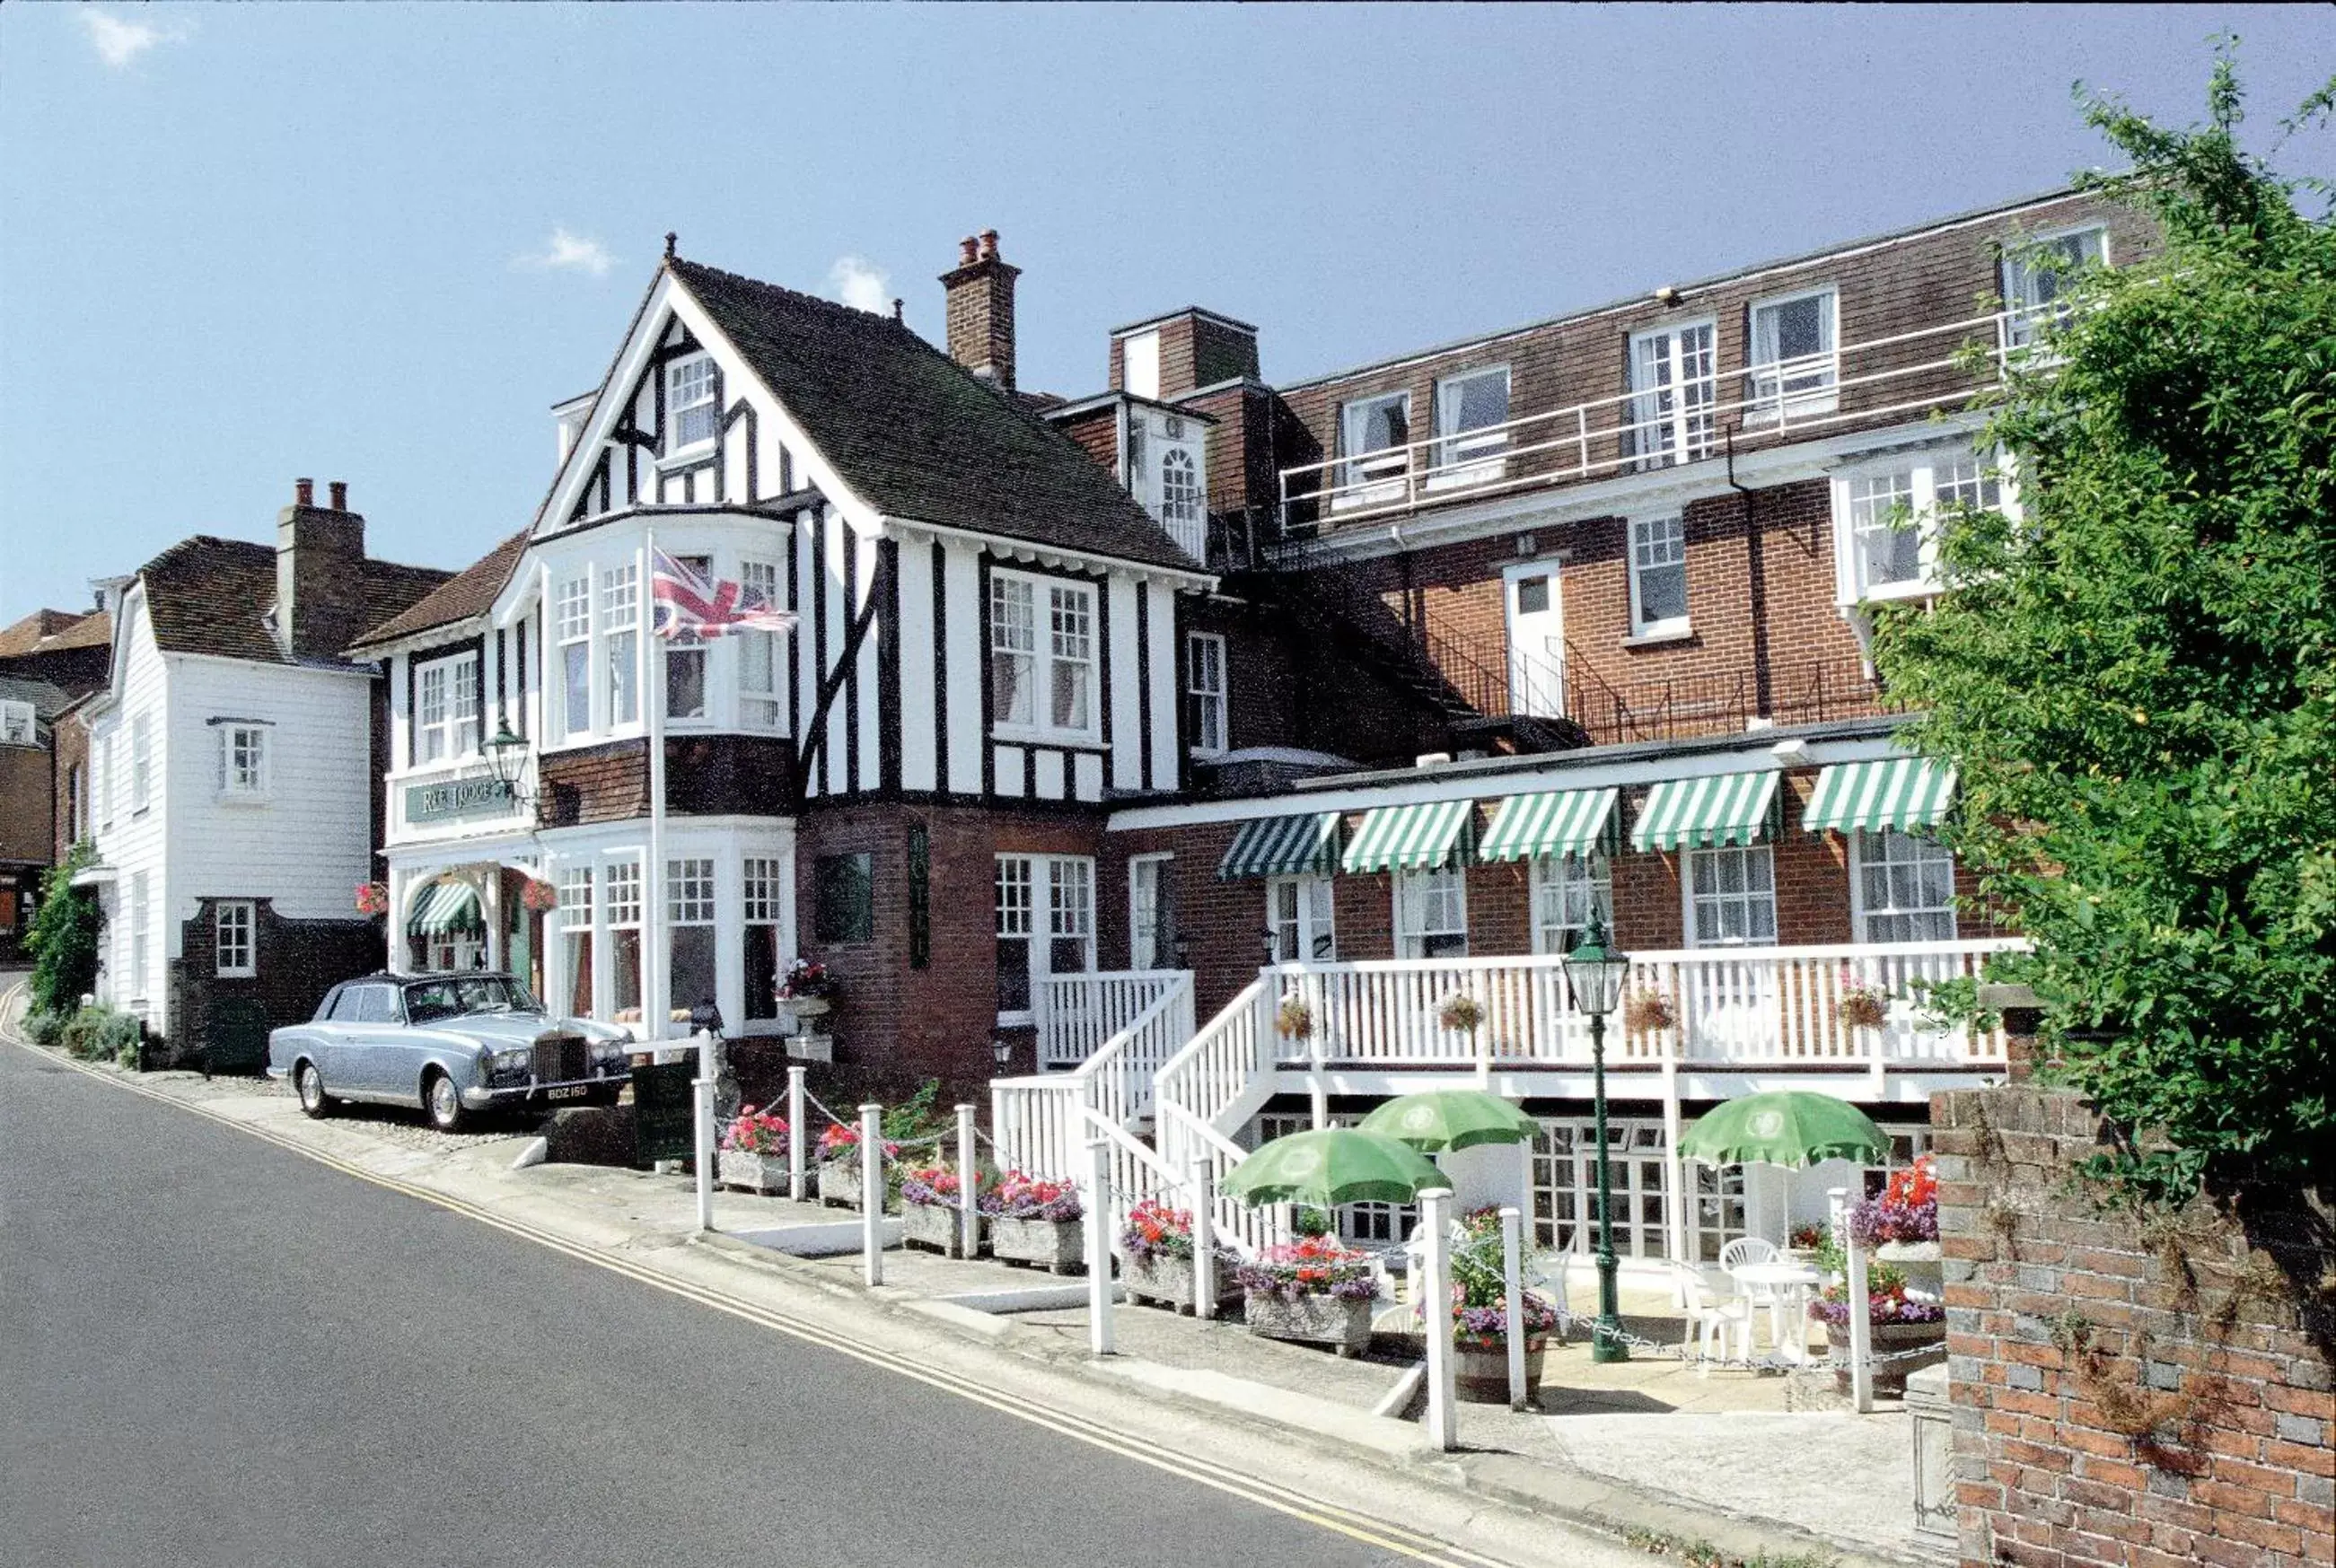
(1334, 1165)
(1789, 1127)
(1438, 1119)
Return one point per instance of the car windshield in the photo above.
(430, 1000)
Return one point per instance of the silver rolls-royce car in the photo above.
(454, 1044)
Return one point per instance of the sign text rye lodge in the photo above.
(456, 797)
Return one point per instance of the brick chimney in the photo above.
(320, 555)
(980, 293)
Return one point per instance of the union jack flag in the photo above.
(689, 608)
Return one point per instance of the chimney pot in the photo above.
(303, 492)
(339, 491)
(969, 251)
(988, 245)
(899, 305)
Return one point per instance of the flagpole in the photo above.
(656, 1008)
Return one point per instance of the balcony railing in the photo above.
(1077, 1015)
(1902, 374)
(1746, 1007)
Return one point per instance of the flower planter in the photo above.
(808, 1007)
(1920, 1263)
(1480, 1371)
(839, 1184)
(759, 1172)
(1058, 1246)
(1169, 1281)
(1888, 1339)
(937, 1226)
(1315, 1320)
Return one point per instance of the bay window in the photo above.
(759, 667)
(689, 940)
(576, 937)
(620, 613)
(622, 889)
(1904, 887)
(1431, 913)
(1794, 366)
(764, 879)
(1886, 519)
(574, 626)
(686, 657)
(1044, 688)
(1731, 896)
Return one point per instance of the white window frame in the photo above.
(1927, 850)
(578, 885)
(572, 628)
(452, 735)
(1556, 881)
(623, 906)
(1956, 473)
(1061, 908)
(676, 372)
(685, 648)
(1150, 872)
(762, 708)
(1638, 543)
(1367, 477)
(1139, 363)
(620, 642)
(1682, 424)
(19, 724)
(1211, 705)
(104, 796)
(1749, 855)
(1812, 387)
(141, 764)
(1052, 653)
(247, 763)
(1469, 456)
(1309, 923)
(1417, 894)
(229, 945)
(141, 921)
(2017, 276)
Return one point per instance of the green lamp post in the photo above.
(1593, 975)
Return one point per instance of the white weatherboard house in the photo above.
(230, 774)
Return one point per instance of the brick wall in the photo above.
(27, 833)
(296, 961)
(2143, 1394)
(68, 749)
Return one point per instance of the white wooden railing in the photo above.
(1078, 1014)
(1745, 1006)
(1040, 1125)
(1903, 374)
(1207, 1090)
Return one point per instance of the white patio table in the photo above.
(1791, 1282)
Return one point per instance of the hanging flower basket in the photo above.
(539, 896)
(372, 898)
(1648, 1013)
(1294, 1020)
(1862, 1005)
(1460, 1013)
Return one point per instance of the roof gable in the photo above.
(469, 593)
(212, 596)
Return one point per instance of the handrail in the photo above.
(1775, 406)
(1817, 950)
(1207, 1134)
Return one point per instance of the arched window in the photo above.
(1179, 494)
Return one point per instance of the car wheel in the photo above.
(446, 1102)
(310, 1085)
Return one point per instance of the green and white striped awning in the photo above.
(1705, 813)
(1282, 847)
(446, 906)
(1408, 837)
(1564, 822)
(1902, 792)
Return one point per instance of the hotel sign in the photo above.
(457, 798)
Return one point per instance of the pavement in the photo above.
(1648, 1448)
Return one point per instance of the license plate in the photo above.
(573, 1091)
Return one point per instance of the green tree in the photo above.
(2135, 679)
(62, 938)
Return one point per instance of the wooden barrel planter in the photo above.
(1888, 1339)
(1481, 1370)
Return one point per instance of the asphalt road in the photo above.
(215, 1351)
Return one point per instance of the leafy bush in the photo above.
(44, 1028)
(62, 937)
(2133, 681)
(101, 1034)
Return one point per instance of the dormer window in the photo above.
(16, 723)
(1180, 501)
(691, 413)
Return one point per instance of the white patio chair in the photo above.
(1710, 1321)
(1746, 1250)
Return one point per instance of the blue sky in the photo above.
(376, 242)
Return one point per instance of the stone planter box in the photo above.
(1169, 1282)
(1315, 1320)
(1920, 1263)
(756, 1172)
(1890, 1376)
(938, 1227)
(839, 1185)
(1481, 1372)
(1058, 1246)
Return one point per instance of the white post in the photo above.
(798, 1134)
(1861, 1326)
(1483, 1058)
(1099, 1246)
(657, 1003)
(1512, 1287)
(968, 1218)
(872, 1191)
(1204, 1241)
(1315, 1078)
(705, 1149)
(1435, 1298)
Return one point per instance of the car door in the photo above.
(372, 1043)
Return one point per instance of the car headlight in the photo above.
(509, 1061)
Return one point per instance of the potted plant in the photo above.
(753, 1152)
(1294, 1020)
(807, 990)
(1038, 1222)
(929, 1213)
(1480, 1315)
(1314, 1291)
(839, 1165)
(1808, 1241)
(1896, 1323)
(1648, 1013)
(1902, 1227)
(1155, 1248)
(1862, 1005)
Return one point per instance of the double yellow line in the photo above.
(1343, 1522)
